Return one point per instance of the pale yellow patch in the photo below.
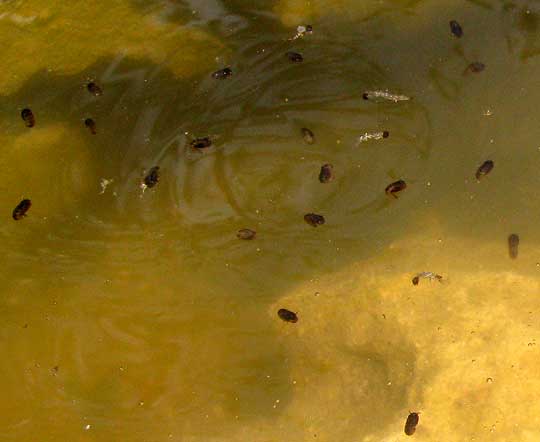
(369, 347)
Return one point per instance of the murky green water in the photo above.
(141, 316)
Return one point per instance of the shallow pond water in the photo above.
(136, 312)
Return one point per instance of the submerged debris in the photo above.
(513, 243)
(90, 124)
(373, 136)
(412, 422)
(326, 174)
(396, 186)
(456, 29)
(287, 315)
(314, 220)
(308, 136)
(246, 234)
(222, 73)
(94, 89)
(384, 95)
(427, 275)
(28, 117)
(19, 212)
(295, 57)
(484, 169)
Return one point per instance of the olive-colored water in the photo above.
(142, 317)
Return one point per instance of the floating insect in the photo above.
(28, 117)
(91, 125)
(427, 275)
(373, 136)
(326, 174)
(287, 315)
(396, 186)
(246, 234)
(456, 29)
(384, 95)
(93, 88)
(411, 423)
(222, 74)
(19, 212)
(301, 31)
(475, 67)
(314, 220)
(201, 143)
(104, 184)
(295, 57)
(484, 169)
(308, 136)
(513, 243)
(151, 179)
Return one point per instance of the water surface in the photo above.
(140, 315)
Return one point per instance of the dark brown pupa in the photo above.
(246, 234)
(411, 423)
(396, 186)
(152, 178)
(287, 315)
(308, 135)
(456, 29)
(91, 125)
(326, 174)
(28, 117)
(222, 74)
(19, 212)
(201, 143)
(475, 67)
(94, 89)
(294, 57)
(313, 219)
(485, 168)
(513, 244)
